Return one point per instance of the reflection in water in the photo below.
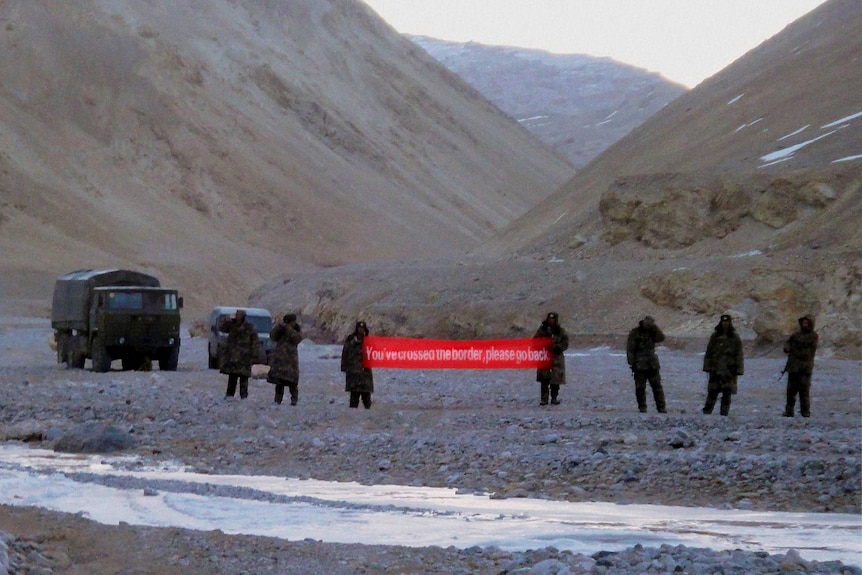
(114, 489)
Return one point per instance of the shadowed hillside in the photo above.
(743, 195)
(218, 144)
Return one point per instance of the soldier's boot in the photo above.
(243, 387)
(294, 393)
(640, 395)
(545, 391)
(658, 395)
(804, 403)
(354, 399)
(725, 403)
(555, 392)
(789, 406)
(279, 393)
(231, 386)
(710, 402)
(366, 399)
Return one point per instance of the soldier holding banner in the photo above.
(359, 380)
(551, 379)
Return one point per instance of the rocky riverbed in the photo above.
(475, 431)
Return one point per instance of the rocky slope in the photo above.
(219, 144)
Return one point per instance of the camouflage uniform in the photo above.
(550, 380)
(238, 353)
(643, 361)
(359, 381)
(800, 350)
(284, 361)
(724, 362)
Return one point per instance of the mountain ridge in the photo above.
(576, 103)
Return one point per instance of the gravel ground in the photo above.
(477, 431)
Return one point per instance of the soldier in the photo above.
(551, 379)
(643, 361)
(284, 362)
(238, 353)
(359, 380)
(724, 362)
(800, 350)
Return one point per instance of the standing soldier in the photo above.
(238, 353)
(551, 379)
(800, 350)
(359, 380)
(723, 361)
(643, 361)
(284, 361)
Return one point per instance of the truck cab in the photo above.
(260, 318)
(136, 324)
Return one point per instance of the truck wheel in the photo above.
(60, 342)
(213, 361)
(67, 352)
(101, 358)
(168, 361)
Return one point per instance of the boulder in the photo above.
(94, 437)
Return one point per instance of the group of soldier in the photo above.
(723, 361)
(240, 349)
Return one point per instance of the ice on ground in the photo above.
(396, 515)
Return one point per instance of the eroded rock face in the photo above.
(678, 210)
(769, 298)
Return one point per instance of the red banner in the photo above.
(407, 353)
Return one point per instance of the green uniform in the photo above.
(284, 361)
(359, 380)
(551, 379)
(643, 361)
(800, 349)
(724, 362)
(237, 355)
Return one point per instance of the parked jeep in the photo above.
(260, 318)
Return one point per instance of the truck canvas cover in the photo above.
(72, 293)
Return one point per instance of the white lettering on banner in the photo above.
(430, 354)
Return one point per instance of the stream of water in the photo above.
(114, 489)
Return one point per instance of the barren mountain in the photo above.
(218, 144)
(577, 104)
(744, 196)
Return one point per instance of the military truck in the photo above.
(109, 314)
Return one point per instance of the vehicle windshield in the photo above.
(142, 300)
(261, 323)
